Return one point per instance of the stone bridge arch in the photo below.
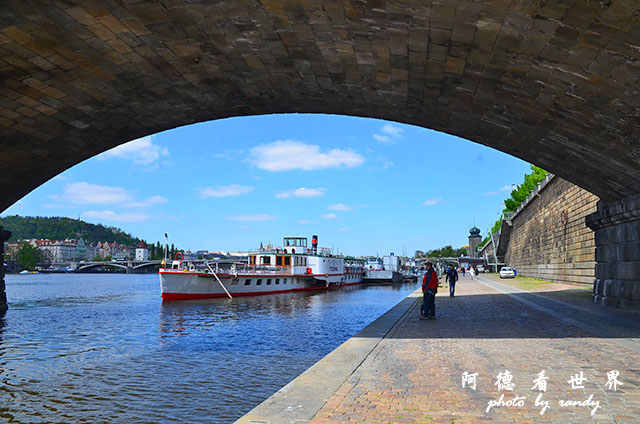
(552, 82)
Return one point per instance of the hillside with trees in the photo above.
(58, 228)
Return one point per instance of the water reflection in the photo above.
(104, 348)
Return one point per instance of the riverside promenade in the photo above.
(413, 372)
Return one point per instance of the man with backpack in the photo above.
(429, 290)
(452, 277)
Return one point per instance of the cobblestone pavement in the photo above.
(414, 375)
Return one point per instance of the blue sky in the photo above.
(364, 186)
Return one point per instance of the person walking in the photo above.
(463, 269)
(429, 290)
(472, 272)
(452, 277)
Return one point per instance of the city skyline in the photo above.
(365, 186)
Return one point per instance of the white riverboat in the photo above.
(292, 267)
(385, 270)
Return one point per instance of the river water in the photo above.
(104, 348)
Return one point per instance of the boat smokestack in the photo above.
(314, 244)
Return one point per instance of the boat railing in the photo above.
(236, 268)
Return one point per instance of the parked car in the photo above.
(480, 268)
(507, 272)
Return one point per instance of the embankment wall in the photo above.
(549, 238)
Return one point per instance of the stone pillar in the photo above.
(617, 232)
(4, 236)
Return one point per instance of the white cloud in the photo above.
(329, 216)
(224, 191)
(141, 151)
(286, 155)
(391, 134)
(384, 139)
(339, 207)
(304, 221)
(302, 192)
(342, 229)
(252, 218)
(82, 193)
(148, 202)
(433, 201)
(113, 216)
(386, 163)
(507, 188)
(392, 130)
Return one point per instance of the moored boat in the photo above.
(292, 267)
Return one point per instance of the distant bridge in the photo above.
(129, 266)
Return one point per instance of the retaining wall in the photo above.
(549, 238)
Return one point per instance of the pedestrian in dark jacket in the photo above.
(452, 277)
(429, 290)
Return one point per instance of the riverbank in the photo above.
(413, 373)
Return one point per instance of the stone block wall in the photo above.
(549, 238)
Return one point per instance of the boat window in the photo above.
(284, 281)
(258, 281)
(247, 281)
(287, 261)
(268, 281)
(234, 282)
(266, 260)
(277, 281)
(278, 260)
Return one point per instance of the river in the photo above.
(105, 348)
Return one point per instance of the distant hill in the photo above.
(57, 228)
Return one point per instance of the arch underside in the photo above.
(554, 83)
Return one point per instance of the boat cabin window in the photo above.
(247, 281)
(278, 260)
(234, 282)
(277, 281)
(268, 281)
(287, 261)
(258, 281)
(284, 281)
(252, 260)
(295, 242)
(265, 260)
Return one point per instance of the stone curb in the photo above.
(303, 397)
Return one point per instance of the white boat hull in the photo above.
(184, 285)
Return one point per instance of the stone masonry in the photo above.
(617, 235)
(549, 238)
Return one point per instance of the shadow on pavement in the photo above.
(501, 316)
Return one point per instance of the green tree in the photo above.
(520, 193)
(447, 252)
(28, 256)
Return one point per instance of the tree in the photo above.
(28, 256)
(447, 252)
(419, 254)
(520, 193)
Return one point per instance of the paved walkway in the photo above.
(414, 374)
